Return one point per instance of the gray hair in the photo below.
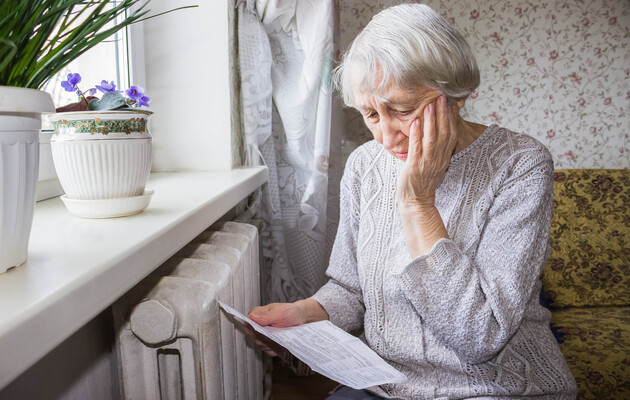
(412, 46)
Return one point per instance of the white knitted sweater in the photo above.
(465, 319)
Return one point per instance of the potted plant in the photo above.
(37, 39)
(102, 150)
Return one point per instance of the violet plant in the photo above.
(112, 99)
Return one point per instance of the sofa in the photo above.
(586, 281)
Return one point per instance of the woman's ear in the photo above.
(458, 103)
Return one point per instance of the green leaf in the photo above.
(109, 101)
(38, 38)
(7, 50)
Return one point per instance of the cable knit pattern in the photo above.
(465, 319)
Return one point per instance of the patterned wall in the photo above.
(558, 70)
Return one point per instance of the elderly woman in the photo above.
(443, 229)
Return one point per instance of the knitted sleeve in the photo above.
(341, 296)
(475, 303)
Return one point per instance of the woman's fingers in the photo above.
(265, 344)
(266, 349)
(452, 119)
(443, 125)
(263, 316)
(415, 142)
(446, 126)
(440, 131)
(429, 129)
(277, 314)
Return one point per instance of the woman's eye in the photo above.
(403, 112)
(372, 115)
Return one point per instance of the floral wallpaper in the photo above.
(557, 70)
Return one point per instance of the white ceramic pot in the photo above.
(20, 124)
(102, 154)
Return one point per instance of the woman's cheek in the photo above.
(407, 125)
(374, 128)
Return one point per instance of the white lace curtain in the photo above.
(292, 124)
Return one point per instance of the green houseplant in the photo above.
(38, 38)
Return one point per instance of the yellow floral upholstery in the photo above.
(596, 343)
(590, 239)
(587, 278)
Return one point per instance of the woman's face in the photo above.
(389, 116)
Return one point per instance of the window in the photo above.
(109, 61)
(106, 61)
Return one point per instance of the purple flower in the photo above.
(135, 92)
(70, 84)
(107, 87)
(143, 101)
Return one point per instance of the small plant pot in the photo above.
(102, 155)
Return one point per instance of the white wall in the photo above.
(186, 60)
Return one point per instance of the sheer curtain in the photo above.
(292, 124)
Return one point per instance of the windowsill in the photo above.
(78, 267)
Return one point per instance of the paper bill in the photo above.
(330, 351)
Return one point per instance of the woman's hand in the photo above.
(279, 315)
(429, 154)
(430, 149)
(282, 315)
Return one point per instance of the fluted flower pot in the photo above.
(103, 161)
(20, 125)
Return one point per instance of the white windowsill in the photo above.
(78, 267)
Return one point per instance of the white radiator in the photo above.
(172, 340)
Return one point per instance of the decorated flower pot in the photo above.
(20, 124)
(103, 161)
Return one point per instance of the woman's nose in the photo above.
(391, 131)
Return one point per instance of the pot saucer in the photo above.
(108, 208)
